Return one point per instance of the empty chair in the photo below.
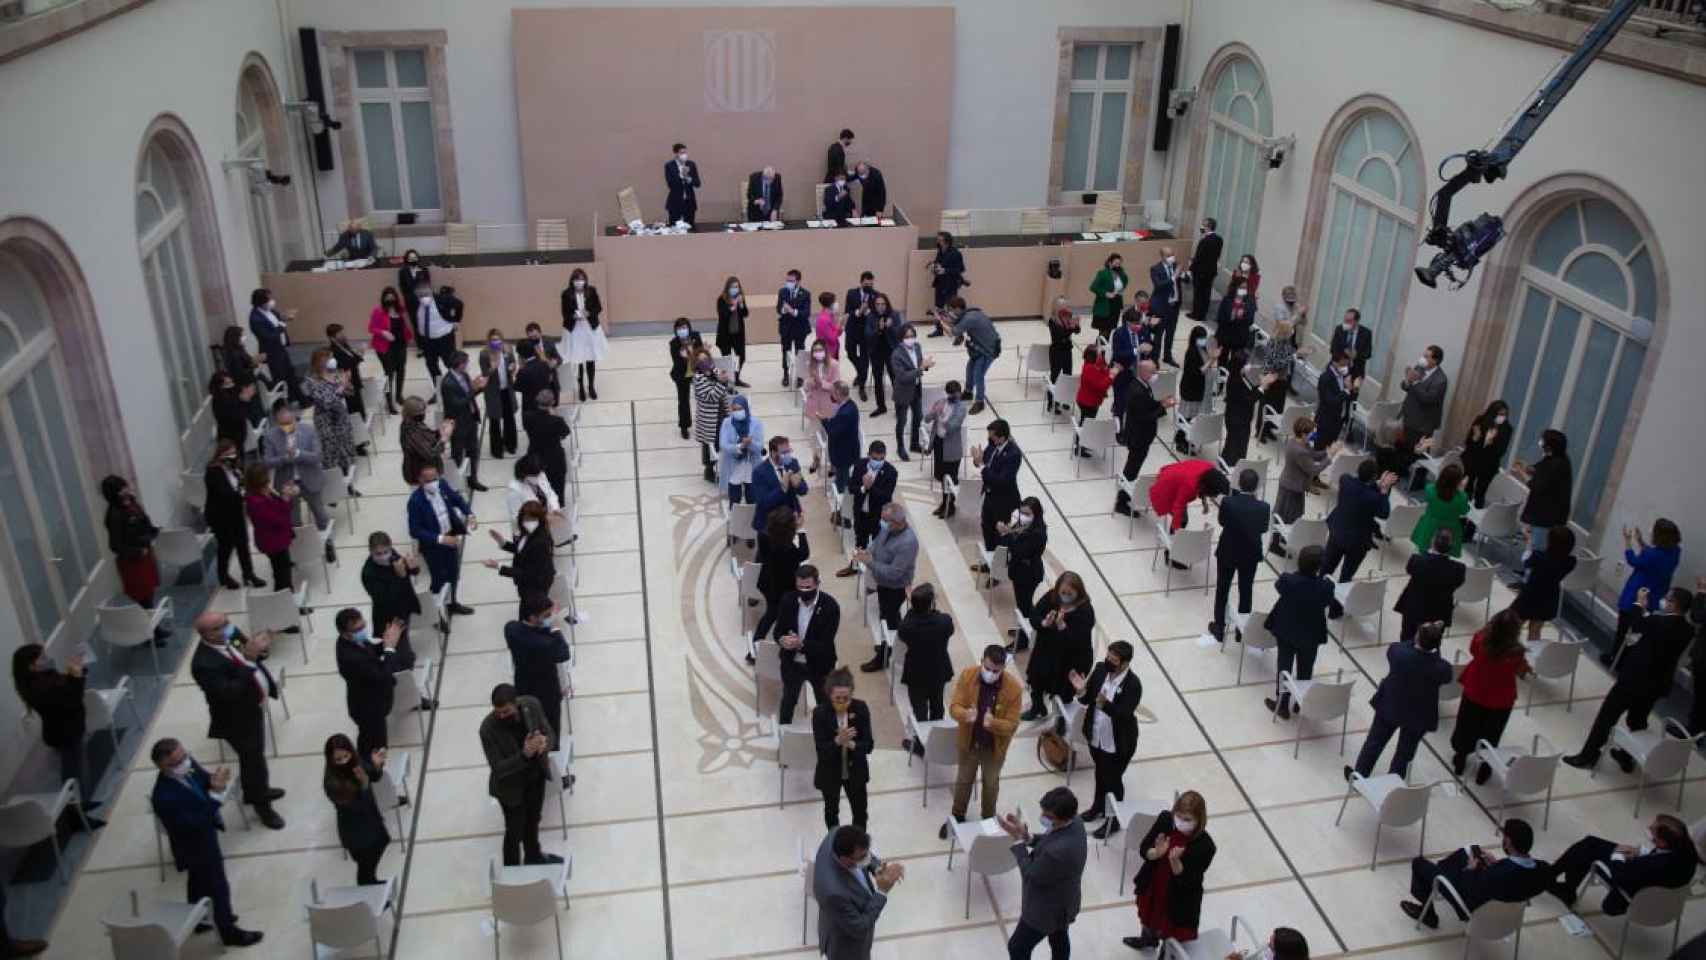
(767, 668)
(1497, 522)
(1281, 423)
(179, 548)
(1036, 361)
(1477, 588)
(1398, 527)
(562, 780)
(411, 688)
(1585, 575)
(985, 855)
(428, 621)
(100, 712)
(1345, 464)
(1363, 598)
(1521, 774)
(551, 234)
(279, 610)
(1063, 390)
(193, 487)
(308, 548)
(941, 747)
(1553, 660)
(461, 238)
(1377, 420)
(1211, 944)
(129, 625)
(1395, 804)
(278, 679)
(1137, 492)
(995, 563)
(1431, 465)
(796, 748)
(1135, 817)
(1659, 755)
(1096, 436)
(1202, 430)
(1252, 631)
(1494, 921)
(737, 521)
(1070, 712)
(153, 931)
(749, 599)
(1319, 702)
(345, 917)
(335, 494)
(1305, 532)
(361, 433)
(27, 819)
(528, 895)
(1189, 546)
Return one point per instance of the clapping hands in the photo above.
(1013, 826)
(220, 779)
(535, 744)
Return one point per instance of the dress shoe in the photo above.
(916, 747)
(354, 493)
(1607, 658)
(477, 486)
(1565, 894)
(270, 817)
(1348, 771)
(916, 447)
(1282, 708)
(879, 411)
(1123, 509)
(428, 703)
(976, 408)
(937, 332)
(254, 583)
(1458, 762)
(1583, 760)
(873, 665)
(738, 382)
(980, 568)
(580, 393)
(543, 858)
(799, 381)
(1625, 762)
(203, 927)
(847, 571)
(942, 834)
(710, 474)
(95, 823)
(901, 451)
(684, 433)
(331, 553)
(1483, 774)
(240, 938)
(1413, 910)
(785, 378)
(1109, 827)
(1169, 361)
(1037, 712)
(862, 396)
(941, 509)
(1143, 942)
(569, 781)
(461, 609)
(592, 392)
(229, 584)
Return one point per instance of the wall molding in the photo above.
(52, 26)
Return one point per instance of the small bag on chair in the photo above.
(1053, 751)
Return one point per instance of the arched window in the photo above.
(1240, 117)
(251, 142)
(262, 134)
(1583, 316)
(164, 220)
(1372, 204)
(49, 543)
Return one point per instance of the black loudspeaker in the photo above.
(1164, 90)
(316, 91)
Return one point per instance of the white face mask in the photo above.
(1185, 825)
(536, 478)
(1422, 361)
(681, 157)
(272, 304)
(734, 291)
(864, 862)
(1202, 342)
(1349, 326)
(184, 769)
(331, 363)
(1021, 518)
(738, 415)
(1244, 265)
(790, 286)
(580, 284)
(528, 526)
(1243, 292)
(818, 354)
(840, 184)
(1500, 420)
(989, 676)
(683, 333)
(1171, 260)
(1047, 822)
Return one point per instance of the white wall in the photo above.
(1005, 57)
(1457, 84)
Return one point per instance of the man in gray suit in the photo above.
(1424, 396)
(851, 888)
(516, 738)
(1051, 870)
(291, 450)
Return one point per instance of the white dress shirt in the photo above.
(440, 509)
(1102, 729)
(805, 622)
(433, 323)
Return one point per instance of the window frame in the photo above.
(175, 323)
(1216, 122)
(393, 95)
(1140, 101)
(1099, 87)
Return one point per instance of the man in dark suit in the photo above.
(837, 161)
(1205, 267)
(187, 800)
(1427, 596)
(858, 306)
(498, 368)
(1364, 500)
(439, 519)
(1334, 390)
(777, 483)
(1479, 877)
(838, 200)
(842, 431)
(1111, 692)
(1424, 388)
(459, 393)
(806, 624)
(999, 459)
(1164, 300)
(875, 197)
(535, 649)
(272, 339)
(517, 746)
(681, 175)
(1666, 859)
(538, 372)
(1243, 524)
(227, 667)
(369, 681)
(764, 195)
(851, 888)
(1143, 412)
(1407, 700)
(793, 322)
(873, 481)
(386, 576)
(1051, 875)
(1645, 670)
(841, 728)
(1353, 340)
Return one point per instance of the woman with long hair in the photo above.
(390, 329)
(56, 697)
(327, 387)
(1544, 568)
(348, 357)
(1247, 274)
(1484, 450)
(534, 568)
(269, 513)
(230, 408)
(1496, 659)
(1107, 288)
(422, 446)
(1445, 507)
(946, 419)
(130, 536)
(731, 324)
(224, 514)
(781, 550)
(348, 782)
(1063, 621)
(584, 342)
(1177, 852)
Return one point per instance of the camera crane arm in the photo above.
(1464, 246)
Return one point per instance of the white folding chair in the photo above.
(1395, 804)
(1659, 755)
(1303, 532)
(192, 486)
(1137, 493)
(361, 432)
(392, 790)
(1096, 436)
(1553, 660)
(941, 739)
(1259, 465)
(1135, 817)
(562, 764)
(1477, 588)
(986, 854)
(796, 747)
(1343, 465)
(278, 679)
(1211, 944)
(278, 610)
(1397, 528)
(996, 562)
(1363, 598)
(1497, 522)
(1377, 419)
(1281, 423)
(749, 599)
(27, 819)
(737, 521)
(1189, 546)
(1203, 430)
(412, 686)
(1319, 702)
(1585, 576)
(455, 475)
(156, 930)
(308, 549)
(1063, 390)
(179, 548)
(528, 895)
(1254, 635)
(427, 621)
(1520, 774)
(100, 712)
(807, 876)
(1494, 921)
(1036, 361)
(1432, 465)
(1070, 713)
(347, 917)
(1653, 907)
(129, 625)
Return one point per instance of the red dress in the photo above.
(1152, 902)
(1175, 487)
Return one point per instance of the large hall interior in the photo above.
(458, 459)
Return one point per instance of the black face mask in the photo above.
(1112, 666)
(808, 597)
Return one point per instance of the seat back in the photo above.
(1327, 701)
(1585, 574)
(1261, 466)
(194, 488)
(1306, 532)
(1345, 464)
(274, 610)
(1036, 358)
(523, 902)
(551, 234)
(740, 519)
(427, 620)
(561, 593)
(1528, 775)
(178, 546)
(24, 822)
(1034, 220)
(1556, 658)
(796, 747)
(1404, 805)
(1098, 434)
(1657, 906)
(749, 577)
(1206, 428)
(1257, 636)
(1499, 520)
(134, 938)
(1109, 213)
(1167, 383)
(1668, 757)
(1477, 585)
(100, 706)
(941, 745)
(1508, 489)
(125, 625)
(342, 925)
(990, 856)
(1190, 545)
(1496, 919)
(461, 238)
(768, 657)
(1292, 414)
(1065, 388)
(1453, 689)
(953, 222)
(306, 553)
(406, 695)
(1365, 597)
(628, 202)
(1403, 520)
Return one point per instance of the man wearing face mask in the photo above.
(793, 322)
(498, 367)
(227, 667)
(536, 646)
(537, 372)
(1424, 397)
(273, 339)
(438, 334)
(1126, 348)
(837, 200)
(859, 304)
(369, 681)
(291, 450)
(892, 560)
(807, 620)
(439, 520)
(1143, 413)
(999, 459)
(1353, 340)
(681, 175)
(873, 481)
(1665, 858)
(462, 408)
(187, 800)
(986, 704)
(1478, 877)
(517, 748)
(777, 483)
(1205, 268)
(882, 331)
(411, 277)
(1051, 874)
(1645, 668)
(907, 365)
(1334, 391)
(764, 195)
(387, 576)
(1164, 300)
(851, 888)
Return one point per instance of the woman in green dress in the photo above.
(1107, 291)
(1447, 504)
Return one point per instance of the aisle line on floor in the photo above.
(651, 690)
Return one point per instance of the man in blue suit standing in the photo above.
(1243, 523)
(187, 800)
(1364, 500)
(776, 483)
(273, 341)
(682, 177)
(1164, 300)
(439, 519)
(793, 322)
(842, 431)
(1407, 702)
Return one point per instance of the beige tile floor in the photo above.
(680, 845)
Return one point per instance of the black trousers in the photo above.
(1579, 859)
(1026, 937)
(1423, 871)
(252, 763)
(889, 600)
(208, 880)
(794, 676)
(915, 407)
(553, 708)
(1237, 443)
(1334, 552)
(1480, 479)
(1475, 722)
(1625, 622)
(926, 703)
(879, 362)
(737, 346)
(790, 343)
(393, 362)
(854, 350)
(465, 445)
(1202, 288)
(1224, 573)
(832, 804)
(1026, 579)
(501, 424)
(1274, 398)
(998, 511)
(683, 404)
(1299, 660)
(281, 570)
(521, 825)
(371, 733)
(437, 351)
(234, 541)
(1059, 360)
(367, 864)
(1408, 624)
(1110, 773)
(1381, 731)
(1623, 699)
(1169, 315)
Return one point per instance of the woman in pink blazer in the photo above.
(388, 327)
(269, 513)
(828, 329)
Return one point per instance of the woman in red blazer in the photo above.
(1496, 659)
(269, 514)
(388, 326)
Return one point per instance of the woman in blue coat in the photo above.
(740, 446)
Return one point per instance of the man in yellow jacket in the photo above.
(986, 705)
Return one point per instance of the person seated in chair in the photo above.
(1665, 859)
(1478, 876)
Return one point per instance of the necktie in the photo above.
(260, 694)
